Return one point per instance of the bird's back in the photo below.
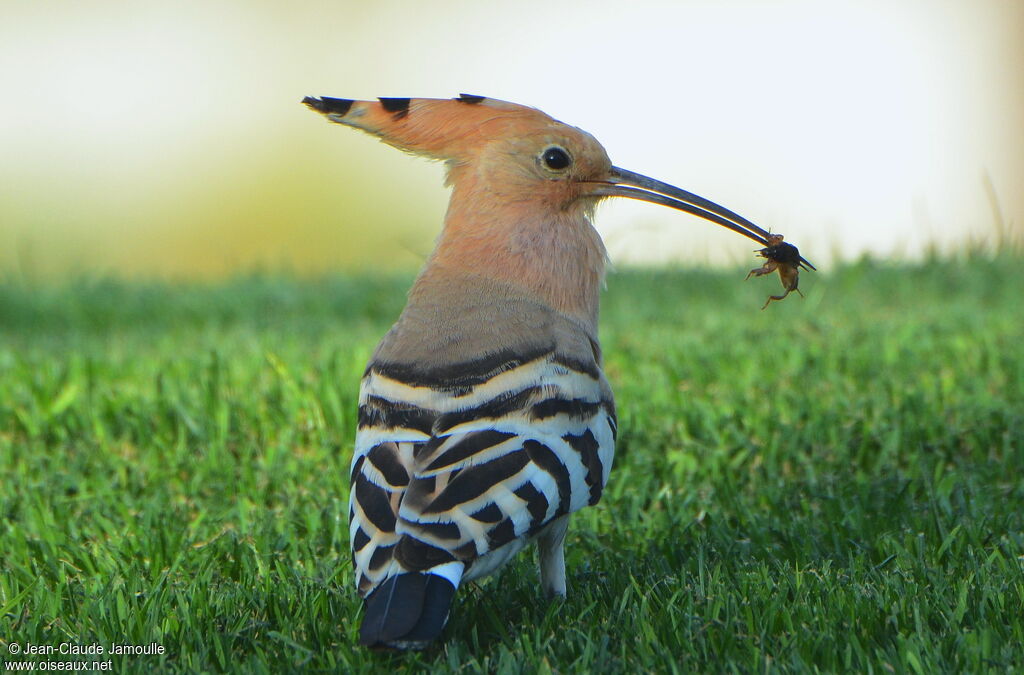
(484, 418)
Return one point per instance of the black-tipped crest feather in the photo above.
(397, 106)
(328, 105)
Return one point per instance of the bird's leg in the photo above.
(550, 549)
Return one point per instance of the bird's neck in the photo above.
(550, 255)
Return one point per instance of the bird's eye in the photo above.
(555, 158)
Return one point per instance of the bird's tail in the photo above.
(409, 610)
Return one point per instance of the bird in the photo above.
(485, 419)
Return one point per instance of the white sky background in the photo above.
(166, 138)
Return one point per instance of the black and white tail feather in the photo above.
(457, 469)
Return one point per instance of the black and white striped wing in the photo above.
(474, 469)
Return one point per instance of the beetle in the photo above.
(784, 258)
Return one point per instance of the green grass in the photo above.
(831, 484)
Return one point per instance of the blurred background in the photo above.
(166, 139)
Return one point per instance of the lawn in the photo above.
(835, 483)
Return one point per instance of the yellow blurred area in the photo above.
(224, 210)
(166, 139)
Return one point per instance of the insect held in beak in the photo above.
(784, 258)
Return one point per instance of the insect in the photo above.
(485, 419)
(784, 258)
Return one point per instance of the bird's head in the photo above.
(514, 154)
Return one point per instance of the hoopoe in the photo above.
(485, 419)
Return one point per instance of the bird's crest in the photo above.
(447, 129)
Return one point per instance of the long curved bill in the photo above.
(631, 185)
